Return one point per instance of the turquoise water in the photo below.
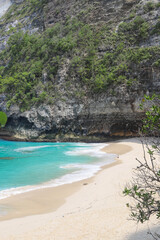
(25, 166)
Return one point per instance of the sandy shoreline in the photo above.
(37, 201)
(90, 209)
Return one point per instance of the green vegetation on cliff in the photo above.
(95, 57)
(3, 119)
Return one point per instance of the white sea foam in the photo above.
(78, 171)
(93, 150)
(83, 171)
(30, 149)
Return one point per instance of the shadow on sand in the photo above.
(144, 235)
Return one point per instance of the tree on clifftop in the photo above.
(144, 188)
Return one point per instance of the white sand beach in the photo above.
(94, 209)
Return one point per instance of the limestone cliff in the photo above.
(4, 5)
(76, 98)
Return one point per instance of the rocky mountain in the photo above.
(77, 70)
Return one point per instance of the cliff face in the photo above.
(97, 11)
(4, 5)
(101, 116)
(81, 108)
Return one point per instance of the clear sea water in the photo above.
(26, 166)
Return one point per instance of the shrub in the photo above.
(149, 6)
(3, 119)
